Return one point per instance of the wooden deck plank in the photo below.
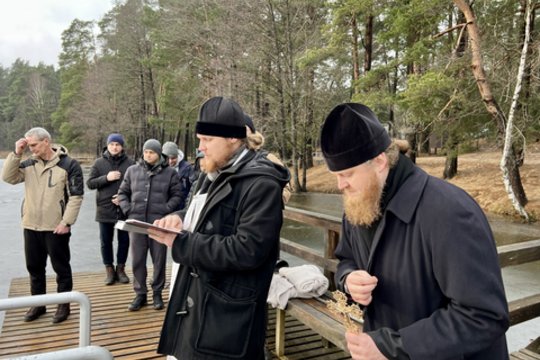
(524, 354)
(127, 335)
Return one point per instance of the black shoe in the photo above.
(61, 314)
(34, 313)
(137, 303)
(158, 301)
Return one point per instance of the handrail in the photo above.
(312, 218)
(59, 298)
(332, 227)
(82, 353)
(512, 254)
(85, 351)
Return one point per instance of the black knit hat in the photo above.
(352, 135)
(221, 117)
(249, 123)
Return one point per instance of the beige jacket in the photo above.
(53, 190)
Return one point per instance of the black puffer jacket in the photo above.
(149, 193)
(218, 305)
(106, 211)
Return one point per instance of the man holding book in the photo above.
(227, 253)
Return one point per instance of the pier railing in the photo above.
(85, 350)
(509, 255)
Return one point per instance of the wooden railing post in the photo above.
(330, 241)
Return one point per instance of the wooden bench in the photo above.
(313, 312)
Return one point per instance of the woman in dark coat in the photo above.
(106, 175)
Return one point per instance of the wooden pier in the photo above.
(127, 335)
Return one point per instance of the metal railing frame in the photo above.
(85, 350)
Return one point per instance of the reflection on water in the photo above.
(505, 231)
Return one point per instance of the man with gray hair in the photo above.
(54, 187)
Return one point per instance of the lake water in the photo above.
(519, 280)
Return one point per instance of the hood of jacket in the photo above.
(58, 149)
(160, 165)
(256, 163)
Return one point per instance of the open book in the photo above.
(141, 227)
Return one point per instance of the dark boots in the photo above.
(158, 301)
(111, 275)
(34, 313)
(118, 275)
(138, 303)
(121, 274)
(61, 314)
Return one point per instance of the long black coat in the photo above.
(439, 282)
(106, 211)
(218, 305)
(149, 194)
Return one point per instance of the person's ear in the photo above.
(380, 162)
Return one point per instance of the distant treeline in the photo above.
(146, 66)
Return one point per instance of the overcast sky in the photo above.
(32, 29)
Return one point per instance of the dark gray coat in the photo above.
(148, 194)
(218, 305)
(106, 211)
(440, 293)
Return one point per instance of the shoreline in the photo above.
(478, 174)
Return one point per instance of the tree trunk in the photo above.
(508, 162)
(424, 146)
(489, 101)
(451, 164)
(355, 56)
(411, 136)
(368, 44)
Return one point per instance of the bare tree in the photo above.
(489, 100)
(506, 158)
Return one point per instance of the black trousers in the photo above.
(106, 234)
(37, 246)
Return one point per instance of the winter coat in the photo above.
(148, 194)
(106, 211)
(440, 293)
(218, 305)
(53, 191)
(185, 171)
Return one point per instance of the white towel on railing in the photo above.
(304, 281)
(281, 290)
(308, 280)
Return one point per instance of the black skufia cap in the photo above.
(352, 135)
(221, 117)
